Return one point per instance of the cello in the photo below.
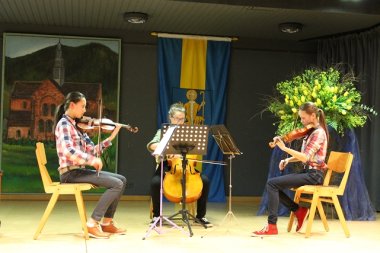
(173, 180)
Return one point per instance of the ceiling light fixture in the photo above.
(135, 17)
(290, 27)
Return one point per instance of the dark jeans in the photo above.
(114, 183)
(276, 186)
(155, 187)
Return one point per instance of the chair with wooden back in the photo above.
(56, 189)
(338, 162)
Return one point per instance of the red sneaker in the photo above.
(301, 215)
(270, 229)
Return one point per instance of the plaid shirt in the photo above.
(73, 147)
(315, 148)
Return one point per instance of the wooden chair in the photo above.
(56, 189)
(338, 162)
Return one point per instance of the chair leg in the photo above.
(311, 214)
(340, 215)
(46, 214)
(323, 216)
(82, 211)
(291, 221)
(291, 218)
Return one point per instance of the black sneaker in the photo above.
(204, 221)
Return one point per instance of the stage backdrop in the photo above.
(38, 72)
(194, 71)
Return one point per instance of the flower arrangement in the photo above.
(331, 91)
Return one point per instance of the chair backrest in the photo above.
(339, 162)
(41, 159)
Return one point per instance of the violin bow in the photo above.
(100, 130)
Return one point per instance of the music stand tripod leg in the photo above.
(230, 213)
(161, 217)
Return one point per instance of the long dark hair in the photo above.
(309, 108)
(74, 97)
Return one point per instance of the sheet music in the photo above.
(164, 141)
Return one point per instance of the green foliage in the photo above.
(331, 91)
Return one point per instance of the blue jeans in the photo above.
(276, 186)
(114, 183)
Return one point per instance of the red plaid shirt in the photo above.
(315, 148)
(73, 147)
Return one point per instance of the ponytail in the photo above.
(74, 97)
(309, 108)
(322, 122)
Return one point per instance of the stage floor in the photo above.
(62, 233)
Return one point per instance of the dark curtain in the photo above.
(360, 53)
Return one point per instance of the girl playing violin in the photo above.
(312, 155)
(176, 116)
(76, 151)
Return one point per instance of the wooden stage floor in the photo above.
(62, 232)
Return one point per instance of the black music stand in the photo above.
(160, 152)
(187, 139)
(228, 147)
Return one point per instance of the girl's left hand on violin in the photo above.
(115, 131)
(278, 141)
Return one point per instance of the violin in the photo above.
(107, 125)
(294, 135)
(173, 181)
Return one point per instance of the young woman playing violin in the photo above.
(176, 116)
(76, 151)
(312, 155)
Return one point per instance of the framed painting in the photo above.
(38, 72)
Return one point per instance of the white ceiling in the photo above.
(237, 18)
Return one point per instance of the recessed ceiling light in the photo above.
(135, 17)
(290, 27)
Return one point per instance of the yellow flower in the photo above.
(319, 102)
(314, 95)
(294, 110)
(291, 103)
(344, 112)
(299, 103)
(303, 98)
(305, 92)
(334, 98)
(316, 82)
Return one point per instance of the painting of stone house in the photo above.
(37, 77)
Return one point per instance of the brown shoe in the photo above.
(96, 232)
(110, 228)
